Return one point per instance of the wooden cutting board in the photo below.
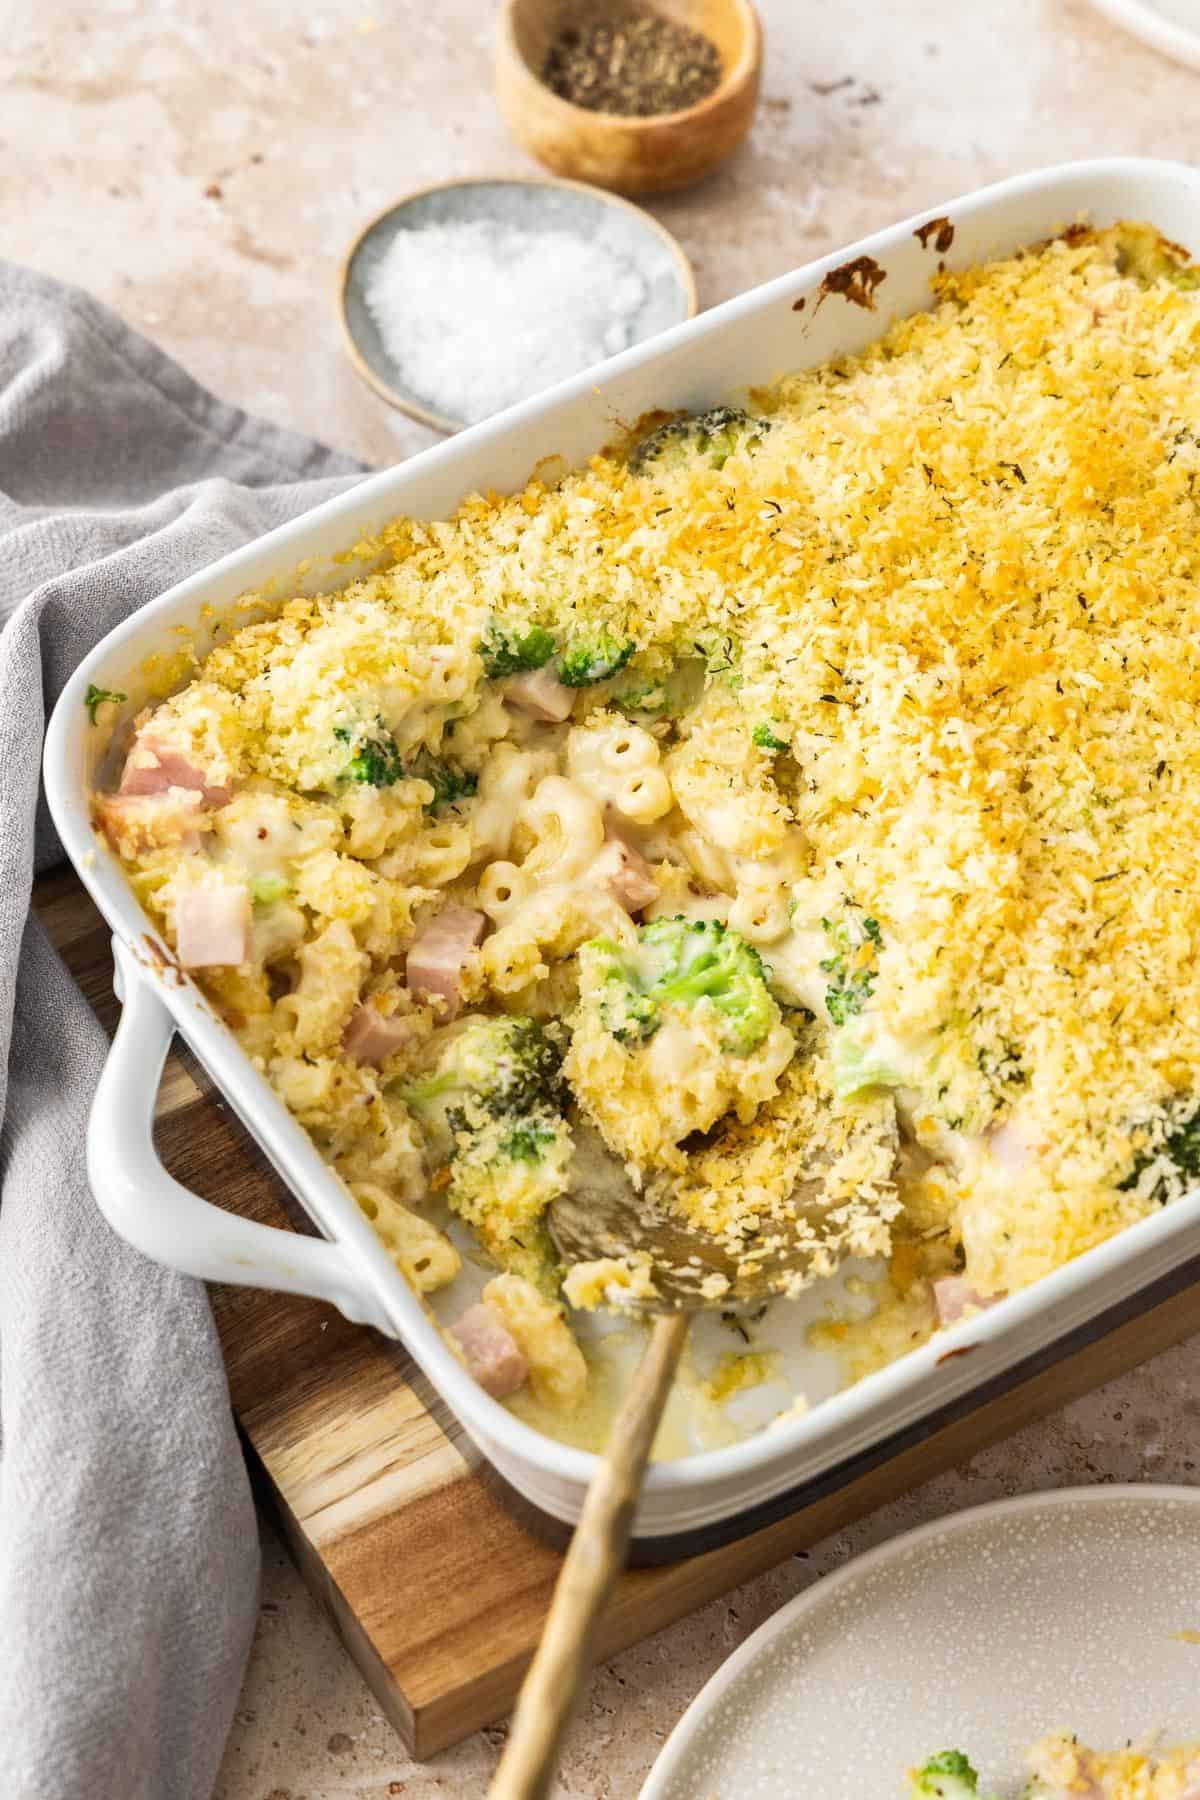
(437, 1589)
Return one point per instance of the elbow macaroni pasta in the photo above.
(619, 765)
(567, 827)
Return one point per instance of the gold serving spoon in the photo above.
(603, 1215)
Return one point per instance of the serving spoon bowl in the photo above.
(602, 1215)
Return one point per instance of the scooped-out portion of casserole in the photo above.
(1062, 1768)
(809, 790)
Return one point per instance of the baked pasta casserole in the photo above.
(804, 790)
(1062, 1768)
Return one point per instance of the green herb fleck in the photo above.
(96, 696)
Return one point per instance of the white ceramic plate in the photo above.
(980, 1632)
(1171, 26)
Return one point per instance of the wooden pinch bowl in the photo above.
(611, 150)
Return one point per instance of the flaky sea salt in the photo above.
(480, 314)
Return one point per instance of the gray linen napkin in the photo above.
(128, 1553)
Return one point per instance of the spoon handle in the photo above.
(593, 1562)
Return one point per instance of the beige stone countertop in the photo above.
(202, 167)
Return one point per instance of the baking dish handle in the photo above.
(157, 1214)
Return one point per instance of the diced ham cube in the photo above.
(623, 872)
(439, 953)
(371, 1035)
(1010, 1150)
(953, 1294)
(490, 1350)
(542, 695)
(212, 927)
(154, 766)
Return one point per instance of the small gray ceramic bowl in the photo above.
(531, 204)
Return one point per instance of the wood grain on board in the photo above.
(436, 1588)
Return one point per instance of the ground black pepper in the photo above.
(637, 63)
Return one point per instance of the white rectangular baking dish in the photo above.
(749, 341)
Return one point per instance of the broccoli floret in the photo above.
(1147, 256)
(265, 889)
(490, 1068)
(722, 657)
(376, 758)
(449, 784)
(628, 1016)
(700, 1034)
(526, 1143)
(1166, 1161)
(96, 696)
(502, 1175)
(859, 1063)
(714, 434)
(946, 1776)
(1183, 1145)
(588, 660)
(678, 691)
(376, 761)
(852, 967)
(484, 1070)
(862, 1057)
(678, 962)
(766, 739)
(491, 1105)
(510, 650)
(651, 697)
